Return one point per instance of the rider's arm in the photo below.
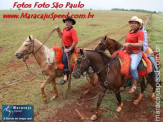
(73, 46)
(75, 39)
(139, 44)
(59, 32)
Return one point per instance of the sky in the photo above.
(153, 5)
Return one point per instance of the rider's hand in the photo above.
(57, 28)
(66, 50)
(127, 45)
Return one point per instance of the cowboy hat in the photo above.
(69, 19)
(134, 19)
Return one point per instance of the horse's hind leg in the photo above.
(120, 103)
(101, 96)
(43, 87)
(151, 81)
(142, 84)
(55, 90)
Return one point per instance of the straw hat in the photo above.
(134, 19)
(141, 21)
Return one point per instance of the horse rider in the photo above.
(134, 43)
(69, 38)
(145, 47)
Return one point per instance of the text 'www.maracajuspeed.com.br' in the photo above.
(47, 16)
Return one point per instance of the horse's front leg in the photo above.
(101, 96)
(91, 83)
(120, 103)
(55, 90)
(43, 87)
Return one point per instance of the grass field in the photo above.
(18, 86)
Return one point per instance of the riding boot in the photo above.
(66, 77)
(133, 88)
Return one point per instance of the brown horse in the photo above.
(111, 45)
(108, 71)
(107, 43)
(46, 59)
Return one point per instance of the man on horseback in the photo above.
(133, 45)
(68, 41)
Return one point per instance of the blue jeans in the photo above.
(65, 61)
(135, 60)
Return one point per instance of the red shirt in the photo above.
(134, 37)
(69, 36)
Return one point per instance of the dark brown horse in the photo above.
(110, 44)
(108, 72)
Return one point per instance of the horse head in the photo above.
(102, 45)
(26, 48)
(81, 64)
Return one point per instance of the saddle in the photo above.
(58, 55)
(144, 66)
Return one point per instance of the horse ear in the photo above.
(31, 37)
(105, 38)
(81, 52)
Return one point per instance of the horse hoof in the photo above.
(119, 109)
(86, 92)
(94, 117)
(45, 100)
(153, 96)
(136, 102)
(54, 97)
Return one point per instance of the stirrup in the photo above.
(62, 82)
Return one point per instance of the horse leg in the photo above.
(151, 81)
(120, 103)
(55, 90)
(42, 88)
(91, 84)
(142, 84)
(101, 96)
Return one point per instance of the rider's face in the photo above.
(134, 25)
(68, 23)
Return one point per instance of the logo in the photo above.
(17, 112)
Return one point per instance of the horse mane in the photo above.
(106, 58)
(103, 54)
(116, 43)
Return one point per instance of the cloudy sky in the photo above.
(154, 5)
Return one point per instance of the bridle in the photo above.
(83, 57)
(102, 43)
(27, 50)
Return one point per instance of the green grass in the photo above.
(157, 34)
(148, 28)
(18, 86)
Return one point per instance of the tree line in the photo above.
(137, 10)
